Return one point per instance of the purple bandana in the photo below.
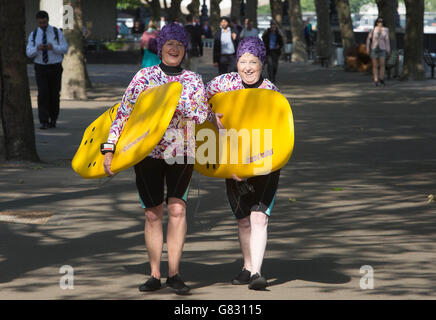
(171, 31)
(252, 45)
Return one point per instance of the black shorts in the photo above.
(151, 174)
(255, 194)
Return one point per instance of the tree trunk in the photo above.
(165, 7)
(387, 9)
(215, 14)
(73, 77)
(17, 136)
(235, 10)
(346, 25)
(413, 67)
(174, 12)
(276, 11)
(324, 34)
(251, 11)
(396, 15)
(2, 130)
(155, 9)
(194, 8)
(298, 45)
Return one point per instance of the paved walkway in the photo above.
(354, 193)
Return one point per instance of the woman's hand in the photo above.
(107, 163)
(216, 120)
(235, 177)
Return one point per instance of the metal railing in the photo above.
(207, 42)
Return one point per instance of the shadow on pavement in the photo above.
(320, 270)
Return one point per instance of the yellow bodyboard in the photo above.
(143, 130)
(261, 122)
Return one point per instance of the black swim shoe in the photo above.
(257, 282)
(242, 278)
(178, 285)
(151, 284)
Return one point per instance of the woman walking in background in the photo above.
(149, 44)
(378, 46)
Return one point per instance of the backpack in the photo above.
(56, 33)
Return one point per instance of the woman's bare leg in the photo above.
(154, 237)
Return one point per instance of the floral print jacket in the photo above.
(192, 104)
(230, 82)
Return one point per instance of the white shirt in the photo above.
(227, 46)
(55, 55)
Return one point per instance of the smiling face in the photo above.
(173, 52)
(249, 68)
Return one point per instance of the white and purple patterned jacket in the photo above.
(230, 82)
(192, 104)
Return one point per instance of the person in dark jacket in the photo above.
(206, 31)
(47, 46)
(225, 45)
(273, 41)
(195, 45)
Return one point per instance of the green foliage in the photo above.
(307, 5)
(128, 4)
(112, 45)
(430, 5)
(264, 10)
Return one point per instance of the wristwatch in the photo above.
(107, 147)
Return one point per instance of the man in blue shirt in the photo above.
(225, 45)
(47, 45)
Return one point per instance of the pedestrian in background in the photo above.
(273, 41)
(308, 36)
(148, 43)
(47, 45)
(377, 46)
(138, 28)
(195, 45)
(235, 24)
(162, 23)
(249, 31)
(224, 50)
(206, 30)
